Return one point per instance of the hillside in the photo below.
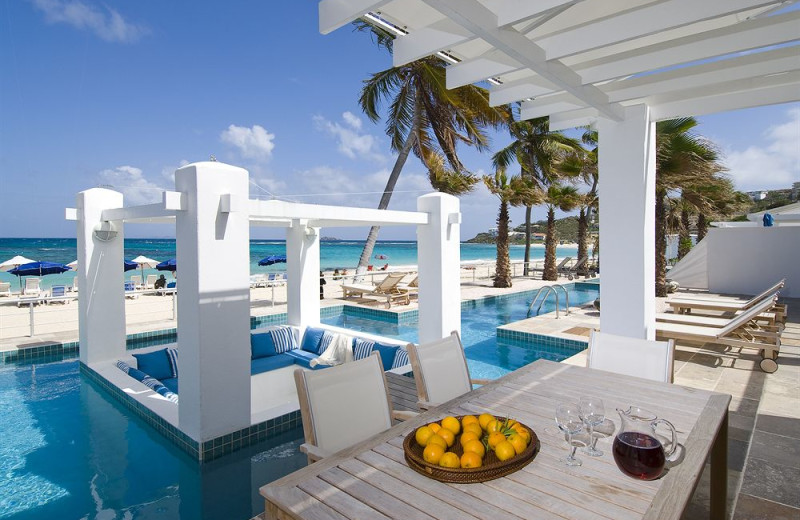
(567, 229)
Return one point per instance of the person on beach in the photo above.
(160, 283)
(322, 283)
(336, 274)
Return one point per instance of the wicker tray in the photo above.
(492, 467)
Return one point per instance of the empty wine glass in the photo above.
(569, 421)
(592, 413)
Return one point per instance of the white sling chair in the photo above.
(631, 356)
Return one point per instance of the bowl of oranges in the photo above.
(470, 448)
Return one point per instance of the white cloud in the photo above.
(351, 142)
(252, 143)
(109, 25)
(168, 172)
(774, 164)
(132, 183)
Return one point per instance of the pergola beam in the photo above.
(265, 210)
(336, 13)
(524, 88)
(488, 65)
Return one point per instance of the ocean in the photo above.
(333, 254)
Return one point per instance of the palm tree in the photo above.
(583, 165)
(535, 148)
(564, 198)
(426, 118)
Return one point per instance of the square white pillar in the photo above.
(627, 172)
(302, 271)
(213, 258)
(101, 279)
(439, 259)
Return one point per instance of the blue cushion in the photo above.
(136, 374)
(283, 338)
(312, 339)
(172, 353)
(401, 358)
(362, 348)
(171, 384)
(387, 353)
(155, 364)
(261, 345)
(266, 364)
(303, 358)
(325, 342)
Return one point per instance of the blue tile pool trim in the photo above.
(570, 346)
(207, 450)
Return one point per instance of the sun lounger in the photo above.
(572, 270)
(737, 332)
(130, 290)
(150, 281)
(58, 293)
(685, 304)
(5, 289)
(765, 318)
(385, 289)
(136, 280)
(559, 267)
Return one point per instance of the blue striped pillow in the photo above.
(124, 366)
(283, 338)
(325, 341)
(362, 348)
(172, 354)
(401, 358)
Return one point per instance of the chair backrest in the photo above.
(150, 281)
(745, 316)
(75, 284)
(344, 404)
(579, 263)
(631, 356)
(57, 291)
(770, 291)
(564, 262)
(414, 282)
(5, 288)
(130, 286)
(390, 282)
(136, 279)
(32, 285)
(440, 369)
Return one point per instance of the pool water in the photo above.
(68, 450)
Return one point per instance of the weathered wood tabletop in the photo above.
(372, 480)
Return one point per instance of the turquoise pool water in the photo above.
(70, 451)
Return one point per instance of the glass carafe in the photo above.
(638, 452)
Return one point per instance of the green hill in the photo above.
(566, 228)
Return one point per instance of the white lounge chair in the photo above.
(687, 304)
(130, 290)
(440, 370)
(150, 281)
(385, 289)
(136, 280)
(737, 332)
(32, 287)
(58, 293)
(765, 318)
(344, 405)
(631, 356)
(5, 289)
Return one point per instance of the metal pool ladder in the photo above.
(546, 290)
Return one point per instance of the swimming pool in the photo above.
(69, 450)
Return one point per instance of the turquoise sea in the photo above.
(333, 254)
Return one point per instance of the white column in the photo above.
(213, 260)
(439, 258)
(302, 271)
(627, 171)
(101, 279)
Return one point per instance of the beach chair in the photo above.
(74, 284)
(765, 318)
(5, 289)
(32, 287)
(631, 356)
(440, 370)
(344, 405)
(385, 289)
(737, 332)
(150, 281)
(559, 268)
(58, 293)
(130, 290)
(136, 280)
(705, 304)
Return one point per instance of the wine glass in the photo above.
(569, 421)
(592, 413)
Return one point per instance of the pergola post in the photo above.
(101, 278)
(439, 259)
(213, 255)
(302, 271)
(627, 175)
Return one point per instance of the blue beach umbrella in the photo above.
(39, 269)
(168, 265)
(129, 266)
(273, 259)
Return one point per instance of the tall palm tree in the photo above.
(583, 165)
(565, 198)
(535, 148)
(426, 118)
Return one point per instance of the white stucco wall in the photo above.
(747, 260)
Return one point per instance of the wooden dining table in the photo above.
(373, 480)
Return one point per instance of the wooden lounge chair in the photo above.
(737, 332)
(572, 271)
(765, 318)
(344, 405)
(385, 289)
(559, 268)
(441, 371)
(631, 356)
(686, 304)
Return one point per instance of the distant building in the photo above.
(757, 195)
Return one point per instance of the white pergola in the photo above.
(620, 65)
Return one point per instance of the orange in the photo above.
(468, 436)
(518, 442)
(471, 460)
(437, 440)
(523, 432)
(423, 434)
(474, 428)
(447, 435)
(469, 419)
(435, 427)
(504, 450)
(496, 438)
(494, 426)
(452, 424)
(433, 453)
(475, 447)
(510, 423)
(484, 419)
(450, 460)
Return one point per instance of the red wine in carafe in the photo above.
(639, 455)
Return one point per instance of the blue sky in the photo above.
(120, 94)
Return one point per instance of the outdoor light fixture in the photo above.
(389, 26)
(105, 232)
(495, 81)
(446, 56)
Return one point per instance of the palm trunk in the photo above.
(372, 237)
(684, 239)
(526, 267)
(702, 227)
(582, 225)
(661, 244)
(550, 272)
(502, 277)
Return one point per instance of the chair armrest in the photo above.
(425, 405)
(403, 415)
(480, 381)
(314, 453)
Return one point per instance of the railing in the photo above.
(546, 290)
